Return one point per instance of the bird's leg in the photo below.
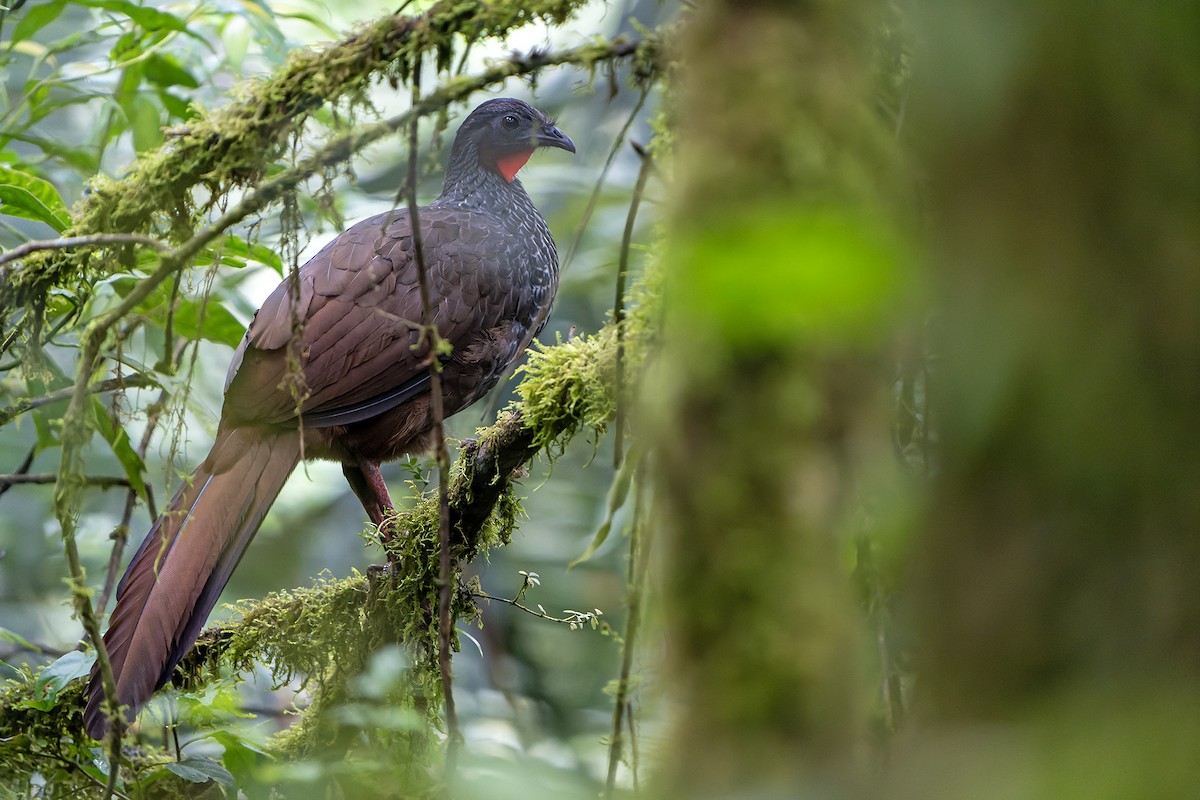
(367, 482)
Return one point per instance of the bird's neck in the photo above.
(470, 184)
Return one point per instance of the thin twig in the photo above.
(168, 362)
(619, 302)
(576, 618)
(110, 385)
(639, 551)
(595, 196)
(445, 583)
(23, 469)
(67, 242)
(121, 532)
(103, 481)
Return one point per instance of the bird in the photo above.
(335, 365)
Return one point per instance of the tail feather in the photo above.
(186, 559)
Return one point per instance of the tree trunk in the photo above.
(782, 293)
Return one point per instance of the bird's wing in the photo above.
(355, 310)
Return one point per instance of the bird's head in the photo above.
(505, 132)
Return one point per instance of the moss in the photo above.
(42, 736)
(573, 383)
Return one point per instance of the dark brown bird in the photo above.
(351, 319)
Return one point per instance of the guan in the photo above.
(335, 366)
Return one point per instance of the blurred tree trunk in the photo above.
(771, 393)
(1058, 587)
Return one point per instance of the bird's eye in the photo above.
(509, 122)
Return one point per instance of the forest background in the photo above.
(883, 460)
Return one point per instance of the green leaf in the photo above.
(145, 121)
(239, 248)
(56, 675)
(198, 769)
(177, 107)
(36, 16)
(118, 440)
(84, 160)
(48, 430)
(241, 757)
(20, 641)
(126, 48)
(617, 493)
(30, 197)
(150, 19)
(163, 69)
(211, 320)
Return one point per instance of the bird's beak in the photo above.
(553, 137)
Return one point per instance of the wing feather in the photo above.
(359, 300)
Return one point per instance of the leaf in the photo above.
(35, 17)
(118, 440)
(210, 320)
(177, 107)
(198, 769)
(56, 675)
(146, 123)
(20, 641)
(82, 160)
(617, 493)
(150, 19)
(165, 70)
(240, 248)
(241, 757)
(30, 197)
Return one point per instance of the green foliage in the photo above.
(28, 196)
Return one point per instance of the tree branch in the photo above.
(103, 481)
(110, 385)
(92, 240)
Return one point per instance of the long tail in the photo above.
(178, 573)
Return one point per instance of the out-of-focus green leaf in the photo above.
(177, 107)
(48, 430)
(20, 641)
(163, 69)
(617, 494)
(82, 159)
(211, 320)
(145, 122)
(51, 680)
(312, 19)
(198, 769)
(29, 197)
(150, 19)
(128, 46)
(118, 440)
(241, 757)
(35, 16)
(241, 249)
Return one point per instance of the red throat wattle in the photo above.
(508, 165)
